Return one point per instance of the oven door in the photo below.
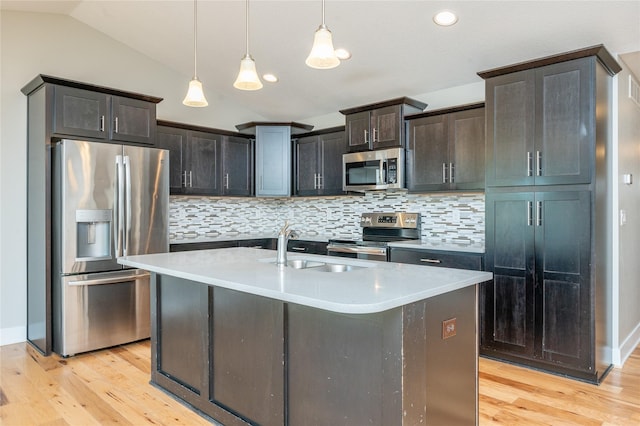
(357, 252)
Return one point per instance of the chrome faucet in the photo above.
(283, 238)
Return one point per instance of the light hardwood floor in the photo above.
(112, 387)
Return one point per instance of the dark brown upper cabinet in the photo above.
(318, 162)
(207, 161)
(96, 115)
(445, 149)
(237, 166)
(541, 124)
(379, 125)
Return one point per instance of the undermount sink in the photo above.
(304, 264)
(337, 267)
(315, 265)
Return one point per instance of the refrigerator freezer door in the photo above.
(84, 194)
(146, 204)
(101, 310)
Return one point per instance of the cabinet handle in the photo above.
(444, 172)
(102, 123)
(529, 213)
(190, 179)
(298, 248)
(116, 125)
(529, 164)
(366, 136)
(374, 131)
(183, 180)
(315, 181)
(320, 181)
(451, 174)
(539, 221)
(226, 181)
(431, 260)
(538, 163)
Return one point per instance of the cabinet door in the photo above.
(237, 166)
(565, 125)
(466, 149)
(428, 154)
(357, 128)
(80, 112)
(202, 164)
(175, 141)
(563, 262)
(510, 102)
(508, 303)
(273, 161)
(133, 120)
(307, 165)
(332, 146)
(386, 127)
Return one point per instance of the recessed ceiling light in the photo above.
(445, 18)
(270, 78)
(343, 54)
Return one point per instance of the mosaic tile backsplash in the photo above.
(449, 218)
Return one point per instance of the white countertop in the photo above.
(375, 288)
(463, 246)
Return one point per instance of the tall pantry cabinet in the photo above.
(547, 214)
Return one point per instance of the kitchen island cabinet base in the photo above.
(245, 359)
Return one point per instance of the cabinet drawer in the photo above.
(311, 247)
(202, 246)
(443, 259)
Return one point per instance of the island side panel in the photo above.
(247, 364)
(181, 342)
(344, 369)
(452, 358)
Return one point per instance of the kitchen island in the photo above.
(246, 341)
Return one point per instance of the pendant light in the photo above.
(322, 55)
(247, 77)
(195, 95)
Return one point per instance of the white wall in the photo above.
(58, 45)
(628, 285)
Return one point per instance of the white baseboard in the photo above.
(9, 336)
(620, 355)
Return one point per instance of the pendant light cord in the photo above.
(323, 13)
(247, 27)
(195, 39)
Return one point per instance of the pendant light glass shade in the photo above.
(323, 55)
(195, 94)
(247, 76)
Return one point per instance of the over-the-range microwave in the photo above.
(369, 170)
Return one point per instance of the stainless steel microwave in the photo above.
(370, 170)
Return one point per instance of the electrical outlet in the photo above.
(449, 328)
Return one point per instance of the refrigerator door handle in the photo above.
(118, 206)
(110, 280)
(127, 203)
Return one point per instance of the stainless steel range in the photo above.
(378, 229)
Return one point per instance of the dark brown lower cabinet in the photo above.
(542, 307)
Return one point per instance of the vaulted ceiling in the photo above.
(397, 49)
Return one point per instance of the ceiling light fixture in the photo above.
(271, 78)
(247, 77)
(195, 95)
(445, 18)
(322, 55)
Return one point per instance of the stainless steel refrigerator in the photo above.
(108, 201)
